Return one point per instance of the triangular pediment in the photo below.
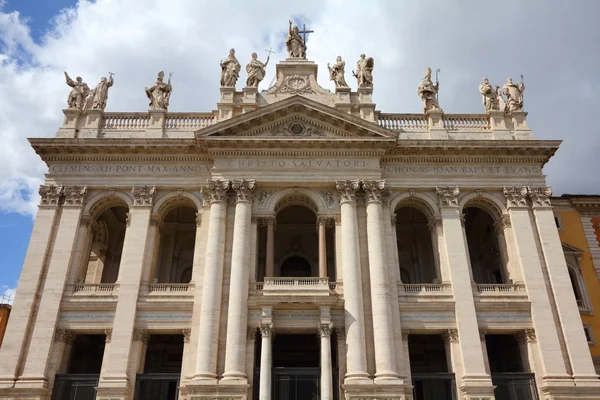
(299, 118)
(568, 249)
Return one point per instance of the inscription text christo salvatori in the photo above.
(130, 169)
(299, 163)
(460, 170)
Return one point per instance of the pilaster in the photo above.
(475, 382)
(25, 304)
(38, 355)
(115, 383)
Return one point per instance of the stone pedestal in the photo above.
(70, 126)
(366, 106)
(342, 99)
(498, 125)
(436, 125)
(519, 121)
(93, 124)
(156, 126)
(226, 105)
(249, 99)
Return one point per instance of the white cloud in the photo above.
(7, 295)
(466, 39)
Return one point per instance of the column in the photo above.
(237, 315)
(526, 250)
(326, 372)
(270, 264)
(24, 305)
(566, 306)
(215, 192)
(356, 357)
(114, 379)
(385, 355)
(321, 227)
(475, 381)
(266, 361)
(70, 231)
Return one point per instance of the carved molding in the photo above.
(325, 329)
(244, 189)
(451, 335)
(447, 197)
(433, 224)
(374, 190)
(267, 330)
(515, 196)
(347, 190)
(156, 220)
(328, 198)
(262, 199)
(527, 336)
(502, 223)
(187, 335)
(108, 333)
(75, 195)
(64, 335)
(143, 195)
(141, 335)
(540, 196)
(215, 190)
(50, 194)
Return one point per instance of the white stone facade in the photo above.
(238, 169)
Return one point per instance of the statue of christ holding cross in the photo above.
(296, 45)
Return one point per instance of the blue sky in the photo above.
(15, 228)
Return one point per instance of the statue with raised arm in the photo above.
(230, 70)
(79, 92)
(364, 71)
(294, 43)
(256, 71)
(490, 95)
(160, 93)
(428, 92)
(100, 93)
(336, 72)
(514, 94)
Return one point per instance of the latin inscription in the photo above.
(459, 170)
(130, 169)
(299, 164)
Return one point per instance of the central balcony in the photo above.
(295, 286)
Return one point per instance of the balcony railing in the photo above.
(169, 287)
(515, 386)
(75, 387)
(499, 288)
(303, 286)
(423, 288)
(100, 289)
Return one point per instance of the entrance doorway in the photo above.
(296, 267)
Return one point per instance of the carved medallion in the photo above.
(295, 128)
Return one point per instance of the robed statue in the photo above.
(79, 92)
(295, 44)
(428, 92)
(336, 72)
(256, 71)
(364, 71)
(160, 93)
(490, 95)
(100, 93)
(514, 94)
(230, 70)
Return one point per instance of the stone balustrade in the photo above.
(423, 289)
(405, 122)
(466, 122)
(92, 288)
(499, 288)
(169, 288)
(125, 121)
(295, 286)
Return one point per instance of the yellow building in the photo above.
(578, 221)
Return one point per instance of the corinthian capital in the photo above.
(447, 197)
(266, 330)
(143, 195)
(75, 195)
(50, 194)
(515, 196)
(540, 196)
(325, 329)
(374, 190)
(215, 190)
(347, 190)
(244, 189)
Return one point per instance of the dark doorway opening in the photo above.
(296, 266)
(162, 369)
(432, 379)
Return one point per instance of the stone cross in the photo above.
(304, 32)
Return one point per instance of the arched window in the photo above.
(573, 259)
(176, 248)
(415, 249)
(487, 264)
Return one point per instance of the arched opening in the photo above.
(415, 249)
(108, 234)
(296, 242)
(176, 248)
(487, 264)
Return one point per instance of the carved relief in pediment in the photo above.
(295, 129)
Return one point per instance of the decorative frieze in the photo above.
(515, 196)
(374, 190)
(143, 195)
(244, 189)
(540, 196)
(447, 197)
(50, 194)
(347, 190)
(215, 190)
(75, 195)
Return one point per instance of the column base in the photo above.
(568, 389)
(477, 387)
(31, 382)
(23, 394)
(225, 391)
(377, 390)
(112, 393)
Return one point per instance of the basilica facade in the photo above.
(296, 243)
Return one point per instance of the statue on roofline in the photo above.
(294, 43)
(256, 71)
(514, 94)
(99, 95)
(160, 93)
(78, 94)
(364, 71)
(336, 72)
(230, 70)
(490, 95)
(428, 92)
